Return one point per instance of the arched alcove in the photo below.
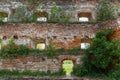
(84, 16)
(67, 66)
(85, 43)
(39, 43)
(3, 16)
(42, 16)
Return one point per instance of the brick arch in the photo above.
(67, 58)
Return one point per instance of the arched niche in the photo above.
(42, 16)
(67, 66)
(85, 43)
(40, 43)
(84, 16)
(3, 16)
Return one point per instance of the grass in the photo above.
(30, 73)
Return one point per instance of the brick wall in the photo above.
(62, 34)
(115, 34)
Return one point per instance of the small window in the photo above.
(42, 16)
(85, 45)
(4, 16)
(39, 43)
(41, 46)
(84, 16)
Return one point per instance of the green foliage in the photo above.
(58, 73)
(11, 42)
(22, 15)
(39, 14)
(57, 14)
(11, 51)
(105, 11)
(51, 50)
(104, 33)
(23, 50)
(80, 71)
(103, 54)
(113, 74)
(65, 17)
(30, 73)
(116, 74)
(74, 51)
(3, 15)
(1, 21)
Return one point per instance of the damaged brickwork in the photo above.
(63, 35)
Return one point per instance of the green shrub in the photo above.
(80, 71)
(115, 73)
(23, 50)
(65, 17)
(61, 51)
(1, 22)
(51, 50)
(105, 11)
(30, 73)
(58, 73)
(3, 15)
(22, 15)
(12, 51)
(57, 14)
(103, 54)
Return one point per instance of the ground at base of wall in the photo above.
(48, 78)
